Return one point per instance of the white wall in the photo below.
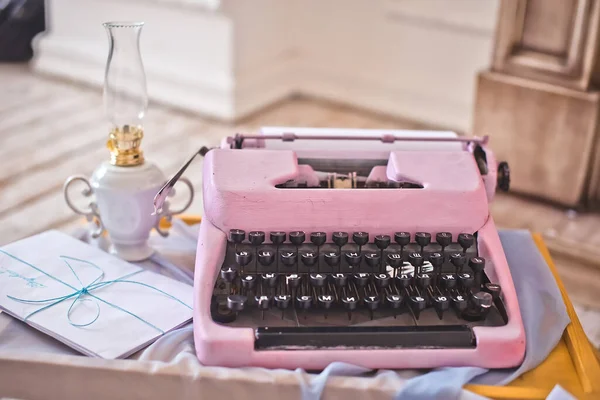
(412, 58)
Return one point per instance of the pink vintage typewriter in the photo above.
(372, 247)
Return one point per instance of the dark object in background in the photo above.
(20, 22)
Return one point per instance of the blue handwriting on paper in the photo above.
(31, 282)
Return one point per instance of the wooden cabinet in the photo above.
(539, 101)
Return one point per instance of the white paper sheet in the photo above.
(126, 316)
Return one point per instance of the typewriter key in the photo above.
(297, 237)
(373, 259)
(423, 280)
(332, 259)
(466, 280)
(458, 260)
(263, 302)
(465, 240)
(288, 258)
(493, 289)
(228, 274)
(248, 282)
(360, 238)
(394, 260)
(270, 279)
(417, 304)
(449, 281)
(293, 280)
(325, 302)
(458, 302)
(382, 241)
(436, 260)
(340, 280)
(395, 302)
(416, 260)
(308, 258)
(444, 239)
(236, 302)
(361, 279)
(440, 304)
(304, 302)
(237, 235)
(349, 303)
(256, 238)
(340, 238)
(318, 238)
(277, 237)
(403, 281)
(243, 258)
(423, 239)
(402, 238)
(477, 264)
(266, 257)
(317, 280)
(282, 301)
(372, 303)
(483, 300)
(382, 280)
(353, 259)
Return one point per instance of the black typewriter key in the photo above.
(277, 237)
(256, 238)
(436, 260)
(360, 238)
(423, 280)
(340, 280)
(282, 301)
(458, 260)
(288, 258)
(482, 300)
(465, 240)
(395, 302)
(304, 302)
(248, 282)
(394, 260)
(417, 304)
(228, 274)
(237, 235)
(317, 280)
(297, 238)
(382, 241)
(440, 304)
(325, 302)
(308, 258)
(332, 259)
(382, 280)
(423, 239)
(361, 279)
(403, 281)
(458, 302)
(477, 264)
(353, 258)
(444, 239)
(416, 260)
(373, 259)
(293, 280)
(350, 303)
(466, 280)
(340, 238)
(243, 258)
(270, 279)
(318, 238)
(402, 238)
(449, 281)
(263, 303)
(493, 289)
(266, 257)
(236, 302)
(372, 303)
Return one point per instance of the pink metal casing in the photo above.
(240, 193)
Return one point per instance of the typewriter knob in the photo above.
(256, 238)
(277, 237)
(360, 238)
(444, 239)
(466, 240)
(263, 302)
(318, 238)
(402, 238)
(382, 280)
(297, 238)
(353, 259)
(436, 260)
(458, 260)
(236, 302)
(228, 274)
(266, 257)
(304, 302)
(288, 258)
(466, 280)
(237, 235)
(317, 280)
(493, 289)
(372, 259)
(325, 301)
(482, 300)
(503, 176)
(308, 258)
(332, 259)
(415, 259)
(361, 279)
(248, 282)
(270, 279)
(394, 260)
(243, 258)
(423, 238)
(382, 241)
(340, 238)
(340, 280)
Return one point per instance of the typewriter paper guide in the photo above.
(240, 193)
(114, 334)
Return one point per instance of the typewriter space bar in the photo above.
(443, 336)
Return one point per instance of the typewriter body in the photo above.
(372, 247)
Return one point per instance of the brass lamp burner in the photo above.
(124, 146)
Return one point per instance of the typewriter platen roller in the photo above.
(371, 247)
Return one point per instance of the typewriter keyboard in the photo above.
(356, 289)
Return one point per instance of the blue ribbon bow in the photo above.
(86, 290)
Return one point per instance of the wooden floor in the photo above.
(52, 129)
